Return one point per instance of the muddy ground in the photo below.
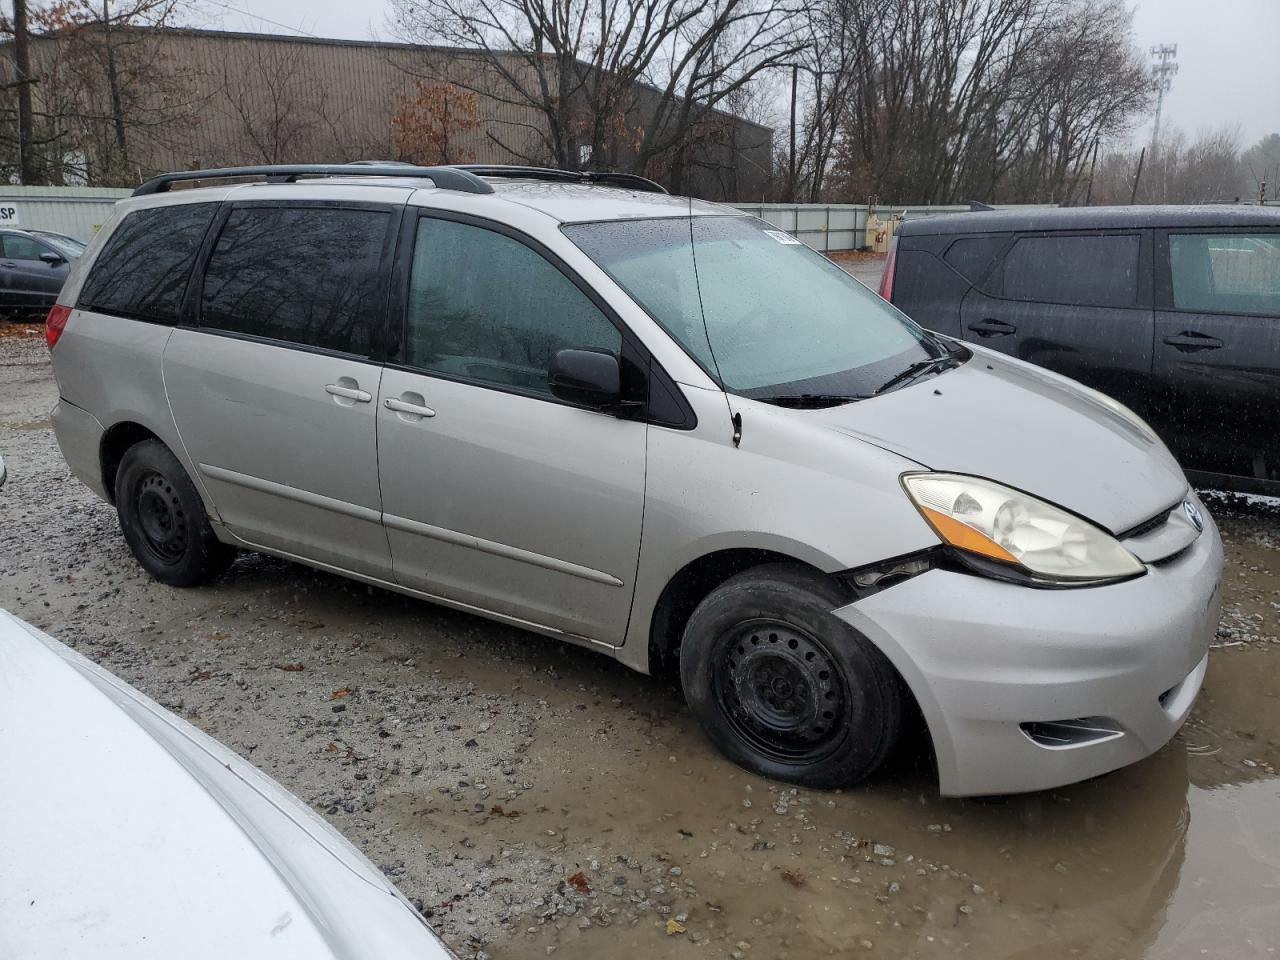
(535, 798)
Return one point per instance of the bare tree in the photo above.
(275, 101)
(100, 87)
(576, 70)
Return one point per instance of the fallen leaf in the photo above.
(674, 927)
(339, 694)
(331, 748)
(579, 882)
(201, 674)
(289, 667)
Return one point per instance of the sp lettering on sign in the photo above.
(8, 215)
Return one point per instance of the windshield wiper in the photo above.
(915, 370)
(811, 400)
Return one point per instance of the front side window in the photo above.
(767, 315)
(22, 248)
(1073, 271)
(142, 271)
(484, 306)
(1226, 273)
(305, 275)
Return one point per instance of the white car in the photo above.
(127, 833)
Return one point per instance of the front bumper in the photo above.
(983, 657)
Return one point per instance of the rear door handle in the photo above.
(1188, 341)
(348, 393)
(992, 328)
(410, 410)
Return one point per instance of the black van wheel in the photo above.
(163, 518)
(785, 688)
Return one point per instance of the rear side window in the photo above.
(499, 323)
(971, 256)
(306, 275)
(143, 269)
(1075, 271)
(1226, 273)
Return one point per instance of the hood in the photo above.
(1028, 428)
(130, 834)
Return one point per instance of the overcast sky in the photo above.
(1229, 67)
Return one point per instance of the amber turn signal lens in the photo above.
(965, 537)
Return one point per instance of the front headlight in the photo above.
(989, 520)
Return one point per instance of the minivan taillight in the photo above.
(890, 265)
(55, 323)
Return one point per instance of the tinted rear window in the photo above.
(143, 270)
(306, 275)
(1075, 271)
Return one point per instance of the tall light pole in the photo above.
(1163, 69)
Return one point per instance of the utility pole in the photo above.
(791, 157)
(22, 77)
(1163, 70)
(1133, 197)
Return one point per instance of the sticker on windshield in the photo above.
(780, 236)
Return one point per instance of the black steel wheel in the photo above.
(163, 519)
(783, 686)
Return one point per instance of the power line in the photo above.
(256, 16)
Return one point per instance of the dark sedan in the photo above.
(33, 266)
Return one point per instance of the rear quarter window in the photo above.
(928, 290)
(143, 269)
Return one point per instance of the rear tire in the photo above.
(163, 518)
(782, 686)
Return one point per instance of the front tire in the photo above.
(163, 518)
(785, 688)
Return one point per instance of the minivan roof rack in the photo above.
(445, 178)
(630, 180)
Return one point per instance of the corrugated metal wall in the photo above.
(221, 98)
(75, 211)
(830, 227)
(79, 211)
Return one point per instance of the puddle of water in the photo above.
(1167, 858)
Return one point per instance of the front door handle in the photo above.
(348, 392)
(992, 328)
(409, 409)
(1188, 341)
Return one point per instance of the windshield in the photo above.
(755, 307)
(67, 246)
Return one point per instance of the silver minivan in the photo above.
(650, 426)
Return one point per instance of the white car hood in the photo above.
(1027, 428)
(127, 833)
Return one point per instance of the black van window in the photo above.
(1075, 271)
(142, 271)
(306, 275)
(1226, 272)
(971, 256)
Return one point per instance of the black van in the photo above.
(1174, 311)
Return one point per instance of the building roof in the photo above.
(1094, 218)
